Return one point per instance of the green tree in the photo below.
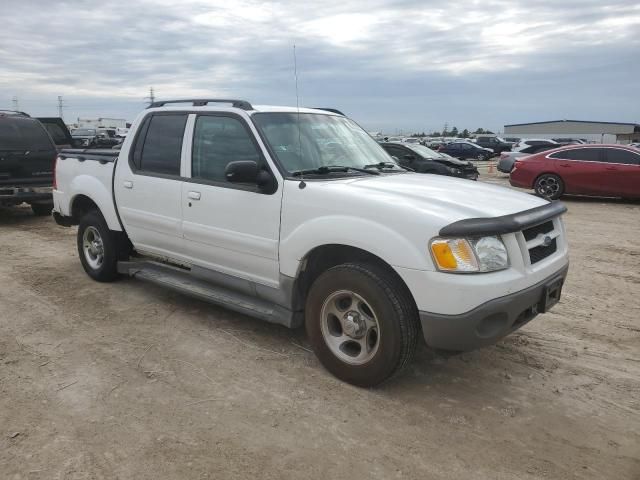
(479, 131)
(465, 133)
(454, 132)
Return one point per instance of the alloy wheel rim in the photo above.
(548, 186)
(93, 247)
(350, 327)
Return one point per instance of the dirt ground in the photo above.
(130, 381)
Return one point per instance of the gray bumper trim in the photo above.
(488, 323)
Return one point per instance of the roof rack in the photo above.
(201, 102)
(332, 110)
(14, 112)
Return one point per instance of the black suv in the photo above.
(424, 160)
(496, 144)
(27, 154)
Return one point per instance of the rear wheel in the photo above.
(41, 209)
(99, 248)
(481, 157)
(362, 323)
(549, 186)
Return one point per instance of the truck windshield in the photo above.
(308, 141)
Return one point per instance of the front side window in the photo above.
(162, 145)
(309, 141)
(216, 142)
(618, 155)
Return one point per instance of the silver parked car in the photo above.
(507, 159)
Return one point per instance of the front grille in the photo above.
(541, 251)
(533, 232)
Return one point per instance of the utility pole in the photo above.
(61, 105)
(16, 106)
(151, 97)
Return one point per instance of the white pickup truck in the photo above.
(297, 216)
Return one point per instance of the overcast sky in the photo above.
(389, 64)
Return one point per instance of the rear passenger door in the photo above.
(229, 228)
(148, 185)
(623, 172)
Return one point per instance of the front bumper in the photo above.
(488, 323)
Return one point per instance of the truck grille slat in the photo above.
(540, 252)
(533, 232)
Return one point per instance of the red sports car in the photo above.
(599, 170)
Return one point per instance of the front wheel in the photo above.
(549, 186)
(361, 323)
(98, 247)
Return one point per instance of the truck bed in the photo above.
(86, 172)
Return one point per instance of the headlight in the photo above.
(468, 255)
(455, 171)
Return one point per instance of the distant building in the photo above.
(101, 122)
(598, 132)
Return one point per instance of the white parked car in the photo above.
(532, 142)
(300, 217)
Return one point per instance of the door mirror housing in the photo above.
(246, 171)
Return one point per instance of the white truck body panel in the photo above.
(262, 237)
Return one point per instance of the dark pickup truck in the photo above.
(27, 154)
(497, 144)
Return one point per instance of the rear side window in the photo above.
(56, 132)
(216, 142)
(617, 155)
(584, 154)
(162, 145)
(23, 134)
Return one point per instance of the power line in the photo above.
(151, 97)
(61, 106)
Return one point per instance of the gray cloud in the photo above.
(389, 63)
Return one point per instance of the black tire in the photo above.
(390, 302)
(41, 209)
(113, 248)
(549, 185)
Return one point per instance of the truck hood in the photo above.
(449, 199)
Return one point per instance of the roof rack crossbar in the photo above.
(17, 112)
(200, 102)
(332, 110)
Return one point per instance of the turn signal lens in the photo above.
(454, 255)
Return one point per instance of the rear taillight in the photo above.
(55, 162)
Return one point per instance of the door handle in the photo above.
(127, 184)
(564, 165)
(194, 195)
(610, 168)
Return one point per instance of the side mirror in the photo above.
(246, 171)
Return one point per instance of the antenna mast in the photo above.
(16, 106)
(295, 73)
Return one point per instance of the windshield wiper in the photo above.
(325, 169)
(388, 165)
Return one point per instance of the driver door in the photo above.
(229, 227)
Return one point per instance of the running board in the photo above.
(183, 281)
